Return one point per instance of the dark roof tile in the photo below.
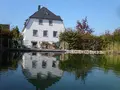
(44, 13)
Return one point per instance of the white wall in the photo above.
(33, 24)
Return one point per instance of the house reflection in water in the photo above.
(41, 69)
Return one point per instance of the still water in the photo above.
(55, 71)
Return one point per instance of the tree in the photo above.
(15, 32)
(71, 37)
(4, 30)
(83, 27)
(82, 38)
(116, 35)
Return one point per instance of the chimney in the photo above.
(39, 7)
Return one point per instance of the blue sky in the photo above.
(102, 14)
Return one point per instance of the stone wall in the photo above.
(84, 52)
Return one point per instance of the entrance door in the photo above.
(34, 44)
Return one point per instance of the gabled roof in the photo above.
(44, 13)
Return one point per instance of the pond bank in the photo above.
(85, 52)
(36, 50)
(107, 52)
(110, 52)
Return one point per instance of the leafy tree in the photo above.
(5, 36)
(4, 31)
(116, 35)
(15, 32)
(16, 35)
(83, 27)
(81, 38)
(72, 38)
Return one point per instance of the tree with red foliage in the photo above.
(82, 39)
(83, 27)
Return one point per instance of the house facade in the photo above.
(42, 26)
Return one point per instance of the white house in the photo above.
(42, 26)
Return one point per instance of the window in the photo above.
(44, 64)
(45, 33)
(50, 22)
(34, 64)
(35, 33)
(34, 44)
(34, 53)
(40, 22)
(54, 33)
(54, 64)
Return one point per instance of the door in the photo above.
(34, 44)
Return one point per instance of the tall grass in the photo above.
(113, 48)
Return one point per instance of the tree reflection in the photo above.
(81, 65)
(111, 62)
(78, 64)
(9, 60)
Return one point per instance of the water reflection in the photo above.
(41, 69)
(82, 65)
(9, 60)
(52, 71)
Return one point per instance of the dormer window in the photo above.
(40, 22)
(50, 22)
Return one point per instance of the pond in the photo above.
(58, 71)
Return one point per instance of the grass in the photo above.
(113, 48)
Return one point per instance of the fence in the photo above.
(10, 43)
